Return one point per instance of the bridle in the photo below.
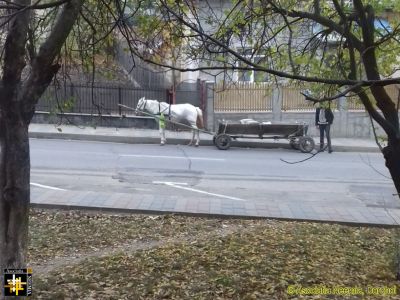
(144, 106)
(139, 108)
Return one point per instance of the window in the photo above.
(252, 76)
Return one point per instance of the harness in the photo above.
(169, 110)
(159, 109)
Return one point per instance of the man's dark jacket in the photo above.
(328, 116)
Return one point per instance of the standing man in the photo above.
(161, 125)
(323, 121)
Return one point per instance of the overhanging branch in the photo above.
(324, 99)
(254, 67)
(340, 82)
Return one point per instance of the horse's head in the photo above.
(148, 106)
(141, 104)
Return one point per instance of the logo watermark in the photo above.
(17, 282)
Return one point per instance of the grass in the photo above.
(199, 258)
(64, 233)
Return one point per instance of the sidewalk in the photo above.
(214, 207)
(149, 136)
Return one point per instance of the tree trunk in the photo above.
(15, 188)
(2, 183)
(16, 111)
(392, 161)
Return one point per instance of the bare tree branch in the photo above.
(43, 68)
(324, 99)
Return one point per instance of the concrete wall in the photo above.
(140, 122)
(95, 120)
(346, 124)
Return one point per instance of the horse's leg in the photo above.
(162, 136)
(196, 132)
(198, 138)
(194, 129)
(192, 140)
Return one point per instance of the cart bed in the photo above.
(261, 129)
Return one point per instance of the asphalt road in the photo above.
(346, 178)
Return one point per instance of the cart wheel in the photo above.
(294, 144)
(306, 144)
(223, 141)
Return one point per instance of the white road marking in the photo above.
(47, 187)
(178, 185)
(142, 190)
(169, 182)
(173, 157)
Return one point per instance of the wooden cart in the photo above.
(295, 133)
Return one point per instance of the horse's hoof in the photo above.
(196, 145)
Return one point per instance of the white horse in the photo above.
(180, 113)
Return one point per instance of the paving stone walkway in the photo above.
(124, 202)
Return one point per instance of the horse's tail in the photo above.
(199, 120)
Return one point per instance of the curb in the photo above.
(175, 141)
(202, 215)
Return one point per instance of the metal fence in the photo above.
(293, 100)
(257, 97)
(243, 97)
(239, 97)
(96, 99)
